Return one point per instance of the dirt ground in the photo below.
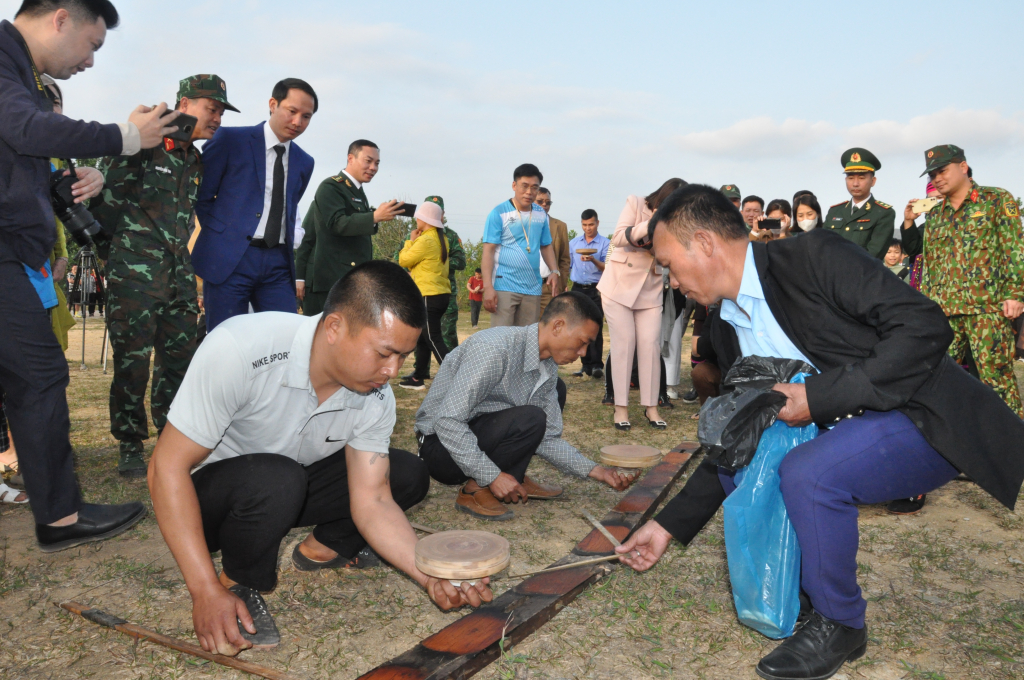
(945, 587)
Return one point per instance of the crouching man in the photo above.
(892, 397)
(285, 421)
(497, 400)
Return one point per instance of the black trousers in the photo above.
(250, 503)
(594, 358)
(474, 312)
(509, 438)
(34, 378)
(431, 338)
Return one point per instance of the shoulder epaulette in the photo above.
(883, 205)
(839, 204)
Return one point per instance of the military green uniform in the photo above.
(456, 262)
(870, 226)
(147, 207)
(339, 229)
(973, 260)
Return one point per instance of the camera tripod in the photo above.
(88, 266)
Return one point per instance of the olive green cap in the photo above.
(731, 191)
(940, 156)
(860, 160)
(436, 199)
(205, 86)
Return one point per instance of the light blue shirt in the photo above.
(757, 330)
(587, 272)
(519, 238)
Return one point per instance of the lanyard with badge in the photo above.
(32, 63)
(526, 227)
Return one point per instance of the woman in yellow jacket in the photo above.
(425, 255)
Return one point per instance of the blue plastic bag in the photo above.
(760, 542)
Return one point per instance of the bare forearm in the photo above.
(487, 264)
(388, 532)
(177, 513)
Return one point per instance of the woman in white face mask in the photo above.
(807, 213)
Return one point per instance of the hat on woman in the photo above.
(430, 213)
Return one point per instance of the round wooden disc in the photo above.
(586, 251)
(462, 555)
(630, 456)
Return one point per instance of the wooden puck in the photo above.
(586, 251)
(630, 456)
(462, 555)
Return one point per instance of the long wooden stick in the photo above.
(600, 527)
(138, 632)
(422, 527)
(581, 563)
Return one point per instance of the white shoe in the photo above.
(671, 393)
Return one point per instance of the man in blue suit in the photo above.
(253, 180)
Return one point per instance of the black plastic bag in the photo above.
(731, 425)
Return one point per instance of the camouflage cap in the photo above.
(436, 199)
(731, 191)
(940, 156)
(860, 160)
(205, 85)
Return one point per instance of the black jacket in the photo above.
(880, 345)
(30, 135)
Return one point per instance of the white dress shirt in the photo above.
(359, 185)
(858, 206)
(271, 140)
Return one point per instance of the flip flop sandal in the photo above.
(364, 559)
(9, 495)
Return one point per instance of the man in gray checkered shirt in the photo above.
(497, 400)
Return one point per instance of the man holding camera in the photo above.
(147, 209)
(57, 38)
(339, 235)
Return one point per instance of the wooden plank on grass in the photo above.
(471, 643)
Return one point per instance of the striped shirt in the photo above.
(494, 370)
(519, 237)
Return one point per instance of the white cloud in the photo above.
(980, 130)
(758, 137)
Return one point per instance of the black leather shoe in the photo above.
(906, 506)
(608, 400)
(597, 374)
(578, 374)
(816, 651)
(95, 523)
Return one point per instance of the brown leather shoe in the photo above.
(480, 502)
(541, 491)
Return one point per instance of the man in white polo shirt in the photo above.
(285, 421)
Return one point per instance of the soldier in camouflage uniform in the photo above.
(147, 209)
(456, 263)
(972, 266)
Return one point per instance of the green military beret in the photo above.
(436, 199)
(940, 156)
(860, 160)
(731, 191)
(205, 86)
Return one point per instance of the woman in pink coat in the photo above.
(631, 293)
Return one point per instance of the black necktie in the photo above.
(272, 234)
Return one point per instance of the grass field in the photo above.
(945, 587)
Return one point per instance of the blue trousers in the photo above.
(263, 278)
(874, 458)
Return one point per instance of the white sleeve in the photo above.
(374, 433)
(214, 389)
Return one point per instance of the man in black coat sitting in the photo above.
(902, 417)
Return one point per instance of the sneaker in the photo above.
(266, 630)
(597, 374)
(671, 393)
(130, 462)
(411, 382)
(690, 396)
(906, 506)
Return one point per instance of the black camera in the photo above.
(76, 219)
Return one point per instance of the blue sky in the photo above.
(608, 99)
